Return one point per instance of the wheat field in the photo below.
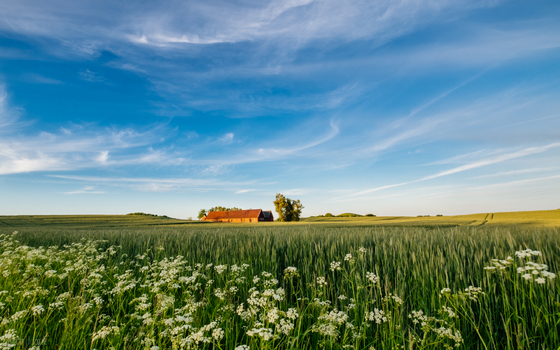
(304, 286)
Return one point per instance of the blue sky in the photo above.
(383, 107)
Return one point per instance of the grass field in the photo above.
(155, 283)
(548, 218)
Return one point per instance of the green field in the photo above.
(127, 282)
(548, 218)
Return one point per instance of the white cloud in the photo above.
(517, 172)
(13, 162)
(85, 190)
(227, 138)
(469, 166)
(102, 157)
(191, 134)
(516, 183)
(265, 154)
(77, 147)
(157, 187)
(92, 76)
(402, 136)
(290, 23)
(66, 131)
(493, 160)
(244, 191)
(147, 184)
(8, 114)
(295, 191)
(40, 79)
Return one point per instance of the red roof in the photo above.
(233, 214)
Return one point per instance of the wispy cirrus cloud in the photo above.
(494, 160)
(78, 149)
(298, 21)
(85, 190)
(288, 23)
(154, 184)
(40, 79)
(469, 166)
(8, 114)
(517, 172)
(245, 191)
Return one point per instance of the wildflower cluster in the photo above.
(529, 270)
(500, 264)
(441, 329)
(473, 293)
(372, 278)
(290, 273)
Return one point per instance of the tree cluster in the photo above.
(202, 213)
(287, 209)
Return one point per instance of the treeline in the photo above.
(202, 213)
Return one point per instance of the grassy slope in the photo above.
(549, 218)
(85, 221)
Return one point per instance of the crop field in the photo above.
(155, 283)
(547, 218)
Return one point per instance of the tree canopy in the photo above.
(202, 213)
(287, 209)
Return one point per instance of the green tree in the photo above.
(201, 213)
(287, 209)
(218, 208)
(297, 207)
(280, 205)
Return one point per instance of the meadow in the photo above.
(124, 284)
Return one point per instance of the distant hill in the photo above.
(549, 218)
(150, 215)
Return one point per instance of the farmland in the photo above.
(126, 282)
(547, 218)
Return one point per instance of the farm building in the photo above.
(251, 215)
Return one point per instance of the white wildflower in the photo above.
(220, 268)
(335, 266)
(378, 316)
(372, 278)
(527, 253)
(218, 334)
(104, 332)
(263, 333)
(290, 272)
(37, 310)
(292, 314)
(473, 292)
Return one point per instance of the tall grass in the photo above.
(406, 288)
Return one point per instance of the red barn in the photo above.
(251, 215)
